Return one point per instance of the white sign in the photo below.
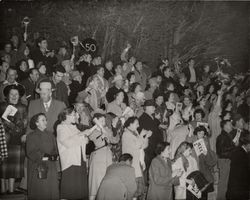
(200, 147)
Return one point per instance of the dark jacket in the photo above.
(225, 145)
(148, 123)
(38, 144)
(239, 176)
(30, 88)
(16, 126)
(118, 183)
(187, 72)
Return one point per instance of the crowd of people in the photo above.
(74, 126)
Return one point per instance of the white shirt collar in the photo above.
(48, 103)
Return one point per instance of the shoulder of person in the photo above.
(59, 103)
(32, 136)
(35, 101)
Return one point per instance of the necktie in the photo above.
(46, 107)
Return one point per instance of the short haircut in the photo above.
(167, 95)
(34, 119)
(160, 147)
(45, 80)
(40, 39)
(126, 156)
(59, 68)
(98, 115)
(98, 67)
(32, 70)
(20, 62)
(200, 128)
(130, 74)
(223, 123)
(63, 115)
(133, 86)
(118, 92)
(11, 68)
(130, 121)
(199, 111)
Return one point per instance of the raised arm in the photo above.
(67, 140)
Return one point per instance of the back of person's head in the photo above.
(125, 157)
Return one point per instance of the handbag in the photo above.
(42, 171)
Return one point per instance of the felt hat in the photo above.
(17, 87)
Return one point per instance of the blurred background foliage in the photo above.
(176, 30)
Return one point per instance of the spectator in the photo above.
(118, 85)
(140, 75)
(61, 91)
(42, 154)
(134, 144)
(117, 106)
(108, 71)
(191, 73)
(225, 146)
(161, 177)
(239, 175)
(3, 70)
(22, 70)
(70, 142)
(30, 84)
(119, 178)
(101, 157)
(14, 126)
(46, 104)
(150, 123)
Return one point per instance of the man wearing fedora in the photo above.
(46, 104)
(148, 122)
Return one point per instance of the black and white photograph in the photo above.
(124, 100)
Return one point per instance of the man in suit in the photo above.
(148, 122)
(30, 84)
(119, 181)
(239, 176)
(191, 72)
(46, 104)
(225, 146)
(61, 90)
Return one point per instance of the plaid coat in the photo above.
(3, 144)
